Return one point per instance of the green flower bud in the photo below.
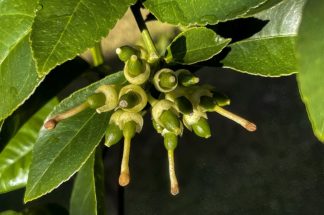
(221, 99)
(170, 121)
(170, 141)
(126, 117)
(183, 105)
(136, 71)
(165, 80)
(129, 100)
(132, 98)
(125, 52)
(135, 66)
(207, 103)
(96, 100)
(190, 119)
(186, 78)
(113, 134)
(197, 92)
(201, 128)
(111, 100)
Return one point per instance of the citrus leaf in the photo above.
(264, 6)
(202, 12)
(49, 88)
(16, 156)
(271, 52)
(16, 20)
(310, 46)
(61, 152)
(64, 29)
(89, 183)
(195, 45)
(18, 77)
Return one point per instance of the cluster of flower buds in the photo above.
(182, 102)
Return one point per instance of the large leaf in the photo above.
(18, 77)
(271, 52)
(89, 183)
(61, 152)
(64, 29)
(264, 6)
(49, 88)
(16, 20)
(194, 45)
(202, 12)
(310, 48)
(15, 158)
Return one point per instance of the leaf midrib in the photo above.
(61, 35)
(60, 152)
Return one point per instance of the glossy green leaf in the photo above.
(18, 78)
(88, 188)
(264, 6)
(49, 88)
(271, 52)
(310, 49)
(15, 158)
(195, 45)
(64, 29)
(61, 152)
(16, 20)
(202, 12)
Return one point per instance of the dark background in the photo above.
(276, 170)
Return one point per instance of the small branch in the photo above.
(174, 187)
(97, 55)
(124, 176)
(239, 120)
(153, 54)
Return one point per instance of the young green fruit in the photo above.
(184, 105)
(165, 80)
(125, 52)
(186, 78)
(96, 100)
(113, 134)
(201, 128)
(170, 121)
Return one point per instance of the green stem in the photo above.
(153, 54)
(151, 99)
(97, 55)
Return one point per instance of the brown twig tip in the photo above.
(174, 190)
(50, 124)
(250, 127)
(124, 179)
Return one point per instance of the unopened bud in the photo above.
(170, 121)
(125, 52)
(201, 128)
